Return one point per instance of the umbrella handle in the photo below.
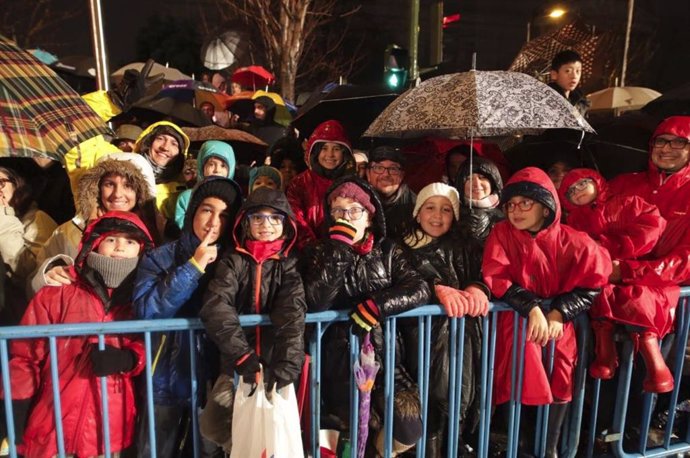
(146, 69)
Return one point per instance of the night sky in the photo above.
(495, 29)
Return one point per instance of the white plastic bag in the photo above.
(263, 428)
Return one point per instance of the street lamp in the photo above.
(555, 13)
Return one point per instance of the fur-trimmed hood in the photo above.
(88, 190)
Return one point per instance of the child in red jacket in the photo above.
(529, 258)
(628, 227)
(110, 250)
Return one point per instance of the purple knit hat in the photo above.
(352, 191)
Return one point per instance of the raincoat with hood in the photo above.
(307, 190)
(267, 129)
(670, 192)
(86, 300)
(628, 227)
(169, 180)
(211, 148)
(339, 276)
(476, 221)
(523, 269)
(259, 278)
(62, 246)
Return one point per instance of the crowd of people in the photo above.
(156, 232)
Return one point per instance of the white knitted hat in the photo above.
(438, 189)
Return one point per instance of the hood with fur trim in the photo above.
(576, 175)
(534, 184)
(88, 190)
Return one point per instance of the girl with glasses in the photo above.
(359, 270)
(529, 258)
(629, 228)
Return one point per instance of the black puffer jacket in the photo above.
(337, 277)
(398, 210)
(455, 262)
(476, 223)
(233, 292)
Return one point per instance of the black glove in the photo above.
(111, 360)
(270, 380)
(134, 85)
(248, 367)
(20, 409)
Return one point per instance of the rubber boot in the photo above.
(553, 436)
(434, 446)
(606, 358)
(659, 378)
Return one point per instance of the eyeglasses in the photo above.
(353, 213)
(4, 181)
(392, 171)
(257, 219)
(578, 186)
(524, 205)
(676, 143)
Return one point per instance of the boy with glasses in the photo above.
(529, 258)
(258, 276)
(629, 228)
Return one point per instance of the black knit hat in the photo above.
(382, 153)
(531, 190)
(222, 188)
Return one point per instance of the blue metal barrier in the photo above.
(321, 321)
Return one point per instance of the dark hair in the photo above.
(564, 57)
(287, 148)
(23, 192)
(413, 229)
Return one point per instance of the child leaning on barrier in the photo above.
(170, 283)
(528, 259)
(451, 267)
(628, 227)
(257, 276)
(359, 270)
(105, 266)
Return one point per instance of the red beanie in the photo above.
(350, 190)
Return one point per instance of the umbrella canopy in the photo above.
(479, 104)
(671, 103)
(40, 115)
(282, 116)
(355, 107)
(201, 134)
(535, 56)
(168, 108)
(195, 93)
(169, 74)
(223, 51)
(253, 76)
(621, 98)
(84, 66)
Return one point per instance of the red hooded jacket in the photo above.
(669, 192)
(80, 389)
(307, 191)
(628, 227)
(554, 261)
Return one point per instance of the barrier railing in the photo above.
(320, 321)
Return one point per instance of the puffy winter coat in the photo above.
(476, 222)
(307, 190)
(248, 281)
(336, 276)
(86, 300)
(669, 192)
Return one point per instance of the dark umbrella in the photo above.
(195, 93)
(353, 106)
(673, 102)
(365, 371)
(40, 115)
(167, 108)
(78, 71)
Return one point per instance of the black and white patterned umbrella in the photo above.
(479, 104)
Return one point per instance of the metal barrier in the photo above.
(320, 322)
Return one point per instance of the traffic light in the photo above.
(395, 65)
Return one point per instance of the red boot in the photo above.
(606, 361)
(659, 378)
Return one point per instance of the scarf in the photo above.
(112, 270)
(490, 201)
(418, 240)
(261, 250)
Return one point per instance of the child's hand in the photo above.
(343, 231)
(205, 254)
(60, 275)
(555, 320)
(537, 327)
(478, 302)
(453, 300)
